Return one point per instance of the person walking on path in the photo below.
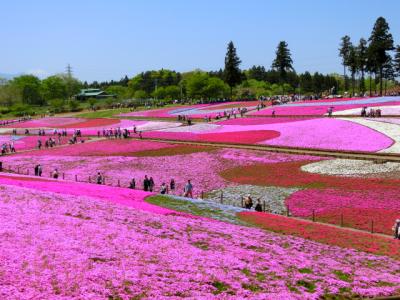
(40, 170)
(99, 178)
(258, 206)
(55, 174)
(151, 184)
(146, 184)
(132, 184)
(248, 202)
(172, 185)
(163, 189)
(188, 191)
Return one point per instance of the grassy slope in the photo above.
(103, 113)
(202, 209)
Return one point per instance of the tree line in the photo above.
(25, 91)
(374, 56)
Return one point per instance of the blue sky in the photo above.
(105, 40)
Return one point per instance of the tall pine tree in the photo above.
(344, 53)
(353, 65)
(232, 73)
(381, 41)
(283, 61)
(388, 71)
(362, 62)
(371, 67)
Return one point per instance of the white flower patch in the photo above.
(350, 167)
(151, 125)
(273, 197)
(194, 128)
(5, 130)
(390, 130)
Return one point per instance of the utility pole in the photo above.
(69, 71)
(69, 77)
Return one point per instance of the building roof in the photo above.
(91, 92)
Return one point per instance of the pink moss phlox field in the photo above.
(127, 197)
(194, 111)
(329, 134)
(318, 133)
(317, 110)
(58, 246)
(46, 122)
(242, 137)
(122, 124)
(87, 126)
(163, 112)
(259, 121)
(357, 209)
(250, 134)
(128, 124)
(5, 122)
(249, 157)
(302, 203)
(180, 136)
(205, 176)
(22, 143)
(346, 99)
(218, 109)
(7, 139)
(27, 143)
(114, 147)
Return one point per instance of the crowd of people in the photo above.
(115, 133)
(7, 148)
(185, 118)
(49, 143)
(149, 185)
(19, 120)
(248, 203)
(38, 170)
(372, 113)
(233, 113)
(56, 139)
